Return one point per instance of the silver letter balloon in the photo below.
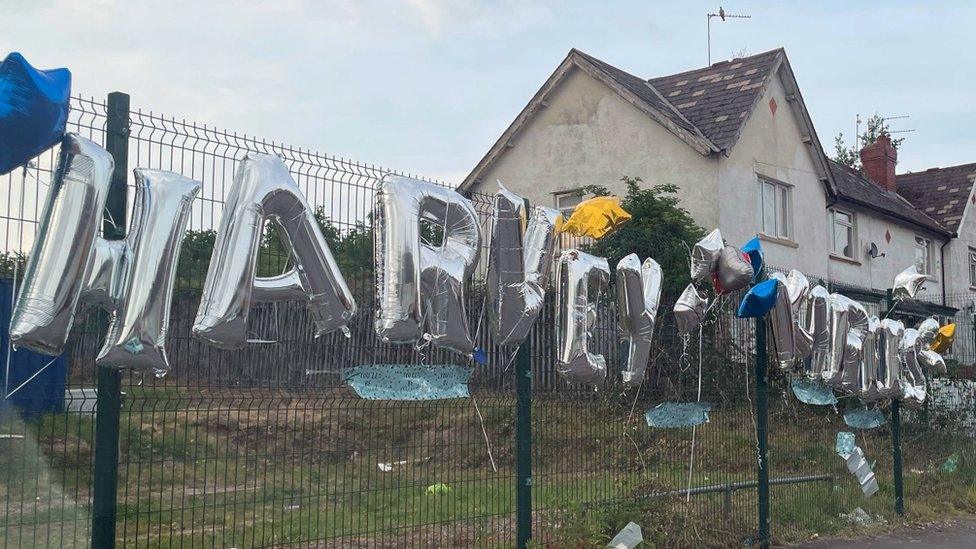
(518, 268)
(263, 189)
(137, 332)
(582, 279)
(420, 285)
(132, 278)
(638, 295)
(58, 266)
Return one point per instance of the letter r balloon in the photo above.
(420, 284)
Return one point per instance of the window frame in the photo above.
(782, 213)
(832, 228)
(577, 193)
(928, 267)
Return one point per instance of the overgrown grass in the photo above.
(248, 468)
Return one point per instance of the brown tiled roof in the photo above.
(639, 87)
(713, 101)
(854, 187)
(940, 192)
(718, 99)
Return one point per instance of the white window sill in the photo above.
(778, 240)
(845, 259)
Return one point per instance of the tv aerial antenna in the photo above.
(723, 16)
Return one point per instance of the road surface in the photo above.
(959, 535)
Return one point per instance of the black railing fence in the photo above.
(266, 446)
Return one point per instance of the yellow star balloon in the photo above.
(596, 217)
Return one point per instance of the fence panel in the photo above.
(267, 446)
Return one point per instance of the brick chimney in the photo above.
(879, 159)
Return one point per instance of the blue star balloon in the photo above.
(758, 300)
(754, 250)
(33, 110)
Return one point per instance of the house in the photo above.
(947, 195)
(738, 142)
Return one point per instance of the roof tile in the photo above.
(731, 99)
(853, 186)
(934, 188)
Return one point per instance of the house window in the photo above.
(972, 267)
(923, 255)
(775, 208)
(842, 231)
(567, 202)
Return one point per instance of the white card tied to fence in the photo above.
(70, 264)
(582, 279)
(264, 190)
(420, 285)
(518, 268)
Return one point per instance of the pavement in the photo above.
(958, 535)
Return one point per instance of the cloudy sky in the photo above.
(426, 86)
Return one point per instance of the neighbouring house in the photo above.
(738, 142)
(947, 195)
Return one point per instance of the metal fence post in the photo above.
(523, 443)
(108, 403)
(896, 455)
(762, 431)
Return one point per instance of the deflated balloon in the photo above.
(932, 361)
(420, 287)
(518, 271)
(705, 254)
(596, 217)
(907, 283)
(945, 337)
(582, 279)
(689, 310)
(264, 190)
(638, 295)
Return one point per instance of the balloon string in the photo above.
(694, 428)
(484, 432)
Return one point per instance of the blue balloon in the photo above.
(759, 300)
(33, 110)
(753, 249)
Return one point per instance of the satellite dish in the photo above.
(874, 252)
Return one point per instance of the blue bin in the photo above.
(43, 393)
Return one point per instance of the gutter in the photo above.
(943, 265)
(939, 231)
